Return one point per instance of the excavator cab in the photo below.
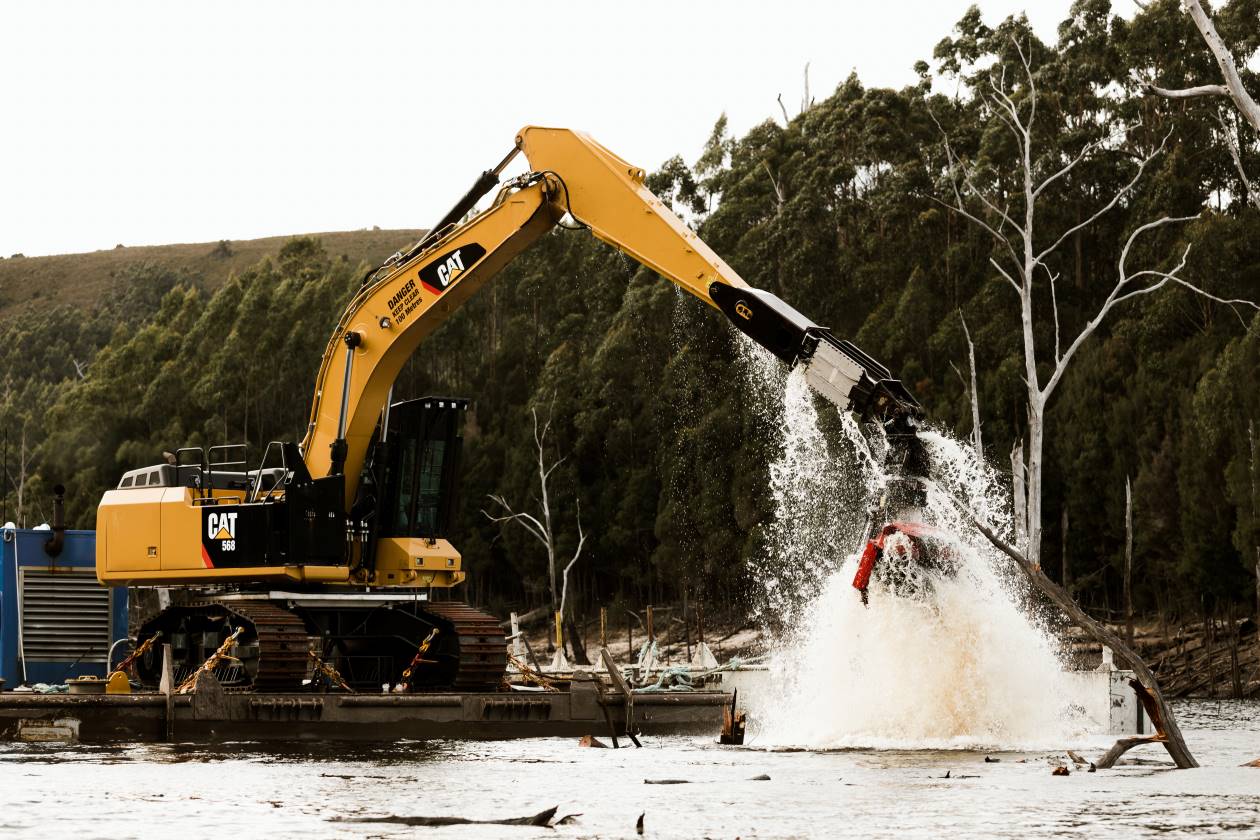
(419, 475)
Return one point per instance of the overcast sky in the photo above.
(151, 123)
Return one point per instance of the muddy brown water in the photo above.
(246, 790)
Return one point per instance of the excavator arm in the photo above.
(574, 181)
(358, 505)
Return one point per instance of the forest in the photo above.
(845, 208)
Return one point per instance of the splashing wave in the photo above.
(968, 665)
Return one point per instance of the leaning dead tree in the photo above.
(1025, 261)
(540, 527)
(973, 394)
(1232, 89)
(1147, 688)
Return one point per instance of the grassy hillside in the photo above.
(82, 279)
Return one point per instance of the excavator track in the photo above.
(467, 653)
(482, 652)
(283, 645)
(271, 655)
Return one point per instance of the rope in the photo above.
(675, 678)
(682, 678)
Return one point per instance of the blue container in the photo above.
(56, 620)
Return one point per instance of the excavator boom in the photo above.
(571, 176)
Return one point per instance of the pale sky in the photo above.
(153, 123)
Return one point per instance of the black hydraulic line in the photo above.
(487, 181)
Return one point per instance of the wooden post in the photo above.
(167, 687)
(651, 631)
(603, 627)
(559, 632)
(620, 684)
(1234, 671)
(518, 649)
(1128, 562)
(686, 626)
(530, 650)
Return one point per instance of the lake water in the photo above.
(245, 790)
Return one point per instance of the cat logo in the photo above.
(451, 269)
(438, 275)
(742, 310)
(221, 526)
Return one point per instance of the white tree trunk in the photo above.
(1019, 493)
(1034, 469)
(977, 441)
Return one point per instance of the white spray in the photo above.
(965, 666)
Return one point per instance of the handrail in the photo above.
(256, 487)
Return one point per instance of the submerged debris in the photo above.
(541, 819)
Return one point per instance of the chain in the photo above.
(330, 672)
(209, 664)
(530, 675)
(417, 660)
(130, 660)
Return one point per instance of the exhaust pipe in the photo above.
(54, 544)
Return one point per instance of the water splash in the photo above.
(967, 665)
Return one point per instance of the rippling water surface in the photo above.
(246, 790)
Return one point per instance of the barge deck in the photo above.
(210, 714)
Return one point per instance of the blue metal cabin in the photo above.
(56, 620)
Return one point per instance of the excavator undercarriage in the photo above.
(363, 644)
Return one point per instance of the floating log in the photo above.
(542, 819)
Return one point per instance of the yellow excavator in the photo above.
(330, 557)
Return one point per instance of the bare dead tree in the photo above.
(1232, 88)
(977, 441)
(786, 119)
(1023, 262)
(779, 197)
(540, 527)
(24, 461)
(807, 101)
(1019, 491)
